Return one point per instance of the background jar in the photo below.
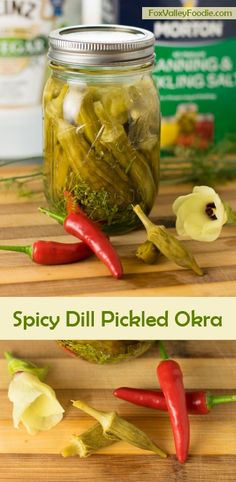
(102, 123)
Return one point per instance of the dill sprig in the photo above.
(21, 183)
(217, 164)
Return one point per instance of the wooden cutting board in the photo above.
(21, 223)
(207, 365)
(210, 365)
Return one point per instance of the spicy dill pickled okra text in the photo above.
(111, 319)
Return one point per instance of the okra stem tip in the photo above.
(142, 216)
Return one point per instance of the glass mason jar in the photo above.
(102, 124)
(106, 351)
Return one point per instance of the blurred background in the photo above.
(24, 27)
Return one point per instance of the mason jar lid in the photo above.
(101, 45)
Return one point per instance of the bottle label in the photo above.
(195, 70)
(24, 28)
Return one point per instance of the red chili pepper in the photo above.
(71, 204)
(52, 252)
(201, 403)
(198, 402)
(171, 381)
(79, 225)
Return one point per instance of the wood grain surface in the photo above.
(210, 365)
(21, 223)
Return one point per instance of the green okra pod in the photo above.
(92, 130)
(116, 103)
(55, 107)
(61, 171)
(133, 163)
(52, 111)
(170, 246)
(148, 252)
(115, 426)
(101, 145)
(88, 443)
(52, 89)
(87, 166)
(87, 119)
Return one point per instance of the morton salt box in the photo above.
(195, 69)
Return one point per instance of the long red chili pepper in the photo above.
(171, 381)
(52, 252)
(198, 402)
(79, 225)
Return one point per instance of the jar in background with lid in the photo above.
(102, 123)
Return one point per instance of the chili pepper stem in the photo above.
(19, 249)
(163, 351)
(213, 400)
(52, 215)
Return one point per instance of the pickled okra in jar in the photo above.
(106, 351)
(102, 124)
